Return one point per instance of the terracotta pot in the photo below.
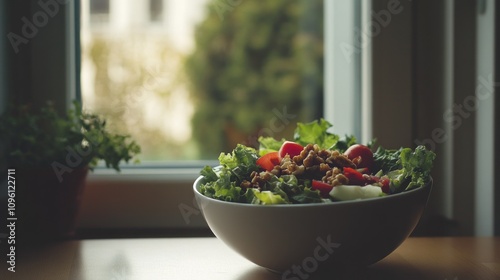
(46, 207)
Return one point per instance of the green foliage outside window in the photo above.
(251, 64)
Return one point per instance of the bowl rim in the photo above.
(197, 184)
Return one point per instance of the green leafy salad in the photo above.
(316, 167)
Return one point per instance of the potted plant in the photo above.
(50, 155)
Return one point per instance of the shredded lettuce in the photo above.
(267, 197)
(208, 174)
(235, 167)
(418, 165)
(415, 169)
(224, 185)
(240, 162)
(387, 160)
(307, 196)
(294, 190)
(406, 169)
(241, 155)
(221, 187)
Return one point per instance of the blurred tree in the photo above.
(253, 63)
(138, 88)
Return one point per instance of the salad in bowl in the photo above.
(316, 166)
(276, 204)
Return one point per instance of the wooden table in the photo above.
(208, 258)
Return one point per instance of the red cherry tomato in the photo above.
(290, 148)
(323, 188)
(269, 161)
(362, 151)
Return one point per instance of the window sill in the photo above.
(141, 198)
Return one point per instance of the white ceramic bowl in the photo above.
(312, 236)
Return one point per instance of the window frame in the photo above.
(484, 224)
(3, 57)
(497, 123)
(343, 66)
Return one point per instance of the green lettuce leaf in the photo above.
(415, 172)
(315, 133)
(307, 196)
(387, 160)
(344, 143)
(241, 162)
(209, 174)
(267, 197)
(241, 155)
(294, 190)
(419, 164)
(235, 167)
(269, 144)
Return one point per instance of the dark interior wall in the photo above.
(17, 65)
(34, 66)
(391, 41)
(17, 55)
(428, 100)
(464, 85)
(3, 70)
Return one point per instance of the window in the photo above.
(214, 75)
(269, 67)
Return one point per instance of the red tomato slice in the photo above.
(363, 170)
(290, 148)
(323, 188)
(355, 177)
(358, 150)
(269, 161)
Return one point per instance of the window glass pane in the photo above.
(155, 10)
(214, 74)
(99, 11)
(99, 6)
